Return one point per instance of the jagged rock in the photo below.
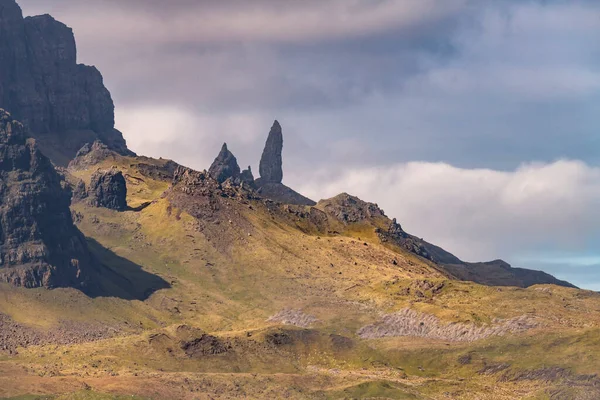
(108, 189)
(63, 104)
(247, 176)
(79, 191)
(163, 171)
(396, 235)
(225, 166)
(90, 155)
(271, 162)
(350, 209)
(39, 245)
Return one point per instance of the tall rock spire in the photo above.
(271, 164)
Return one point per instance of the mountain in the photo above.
(63, 104)
(124, 276)
(39, 245)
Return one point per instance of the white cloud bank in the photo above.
(482, 214)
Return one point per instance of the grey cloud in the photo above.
(489, 85)
(474, 84)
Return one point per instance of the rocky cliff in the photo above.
(39, 245)
(63, 104)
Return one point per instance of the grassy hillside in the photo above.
(237, 297)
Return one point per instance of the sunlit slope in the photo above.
(273, 301)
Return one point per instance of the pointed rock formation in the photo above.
(108, 189)
(271, 162)
(225, 166)
(270, 185)
(39, 245)
(62, 104)
(247, 176)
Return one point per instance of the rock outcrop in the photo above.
(62, 104)
(351, 209)
(39, 245)
(108, 189)
(247, 176)
(271, 162)
(270, 185)
(90, 155)
(225, 166)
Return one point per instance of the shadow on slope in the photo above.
(118, 277)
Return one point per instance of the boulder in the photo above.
(108, 189)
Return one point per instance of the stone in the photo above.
(247, 177)
(271, 162)
(39, 245)
(63, 104)
(350, 209)
(225, 166)
(79, 191)
(281, 193)
(90, 155)
(108, 189)
(270, 185)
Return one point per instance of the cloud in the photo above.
(176, 22)
(473, 90)
(482, 214)
(189, 138)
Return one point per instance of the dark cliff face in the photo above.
(39, 245)
(63, 104)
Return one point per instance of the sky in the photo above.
(475, 122)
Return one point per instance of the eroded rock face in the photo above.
(108, 189)
(271, 163)
(39, 245)
(63, 104)
(350, 209)
(90, 155)
(247, 176)
(225, 166)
